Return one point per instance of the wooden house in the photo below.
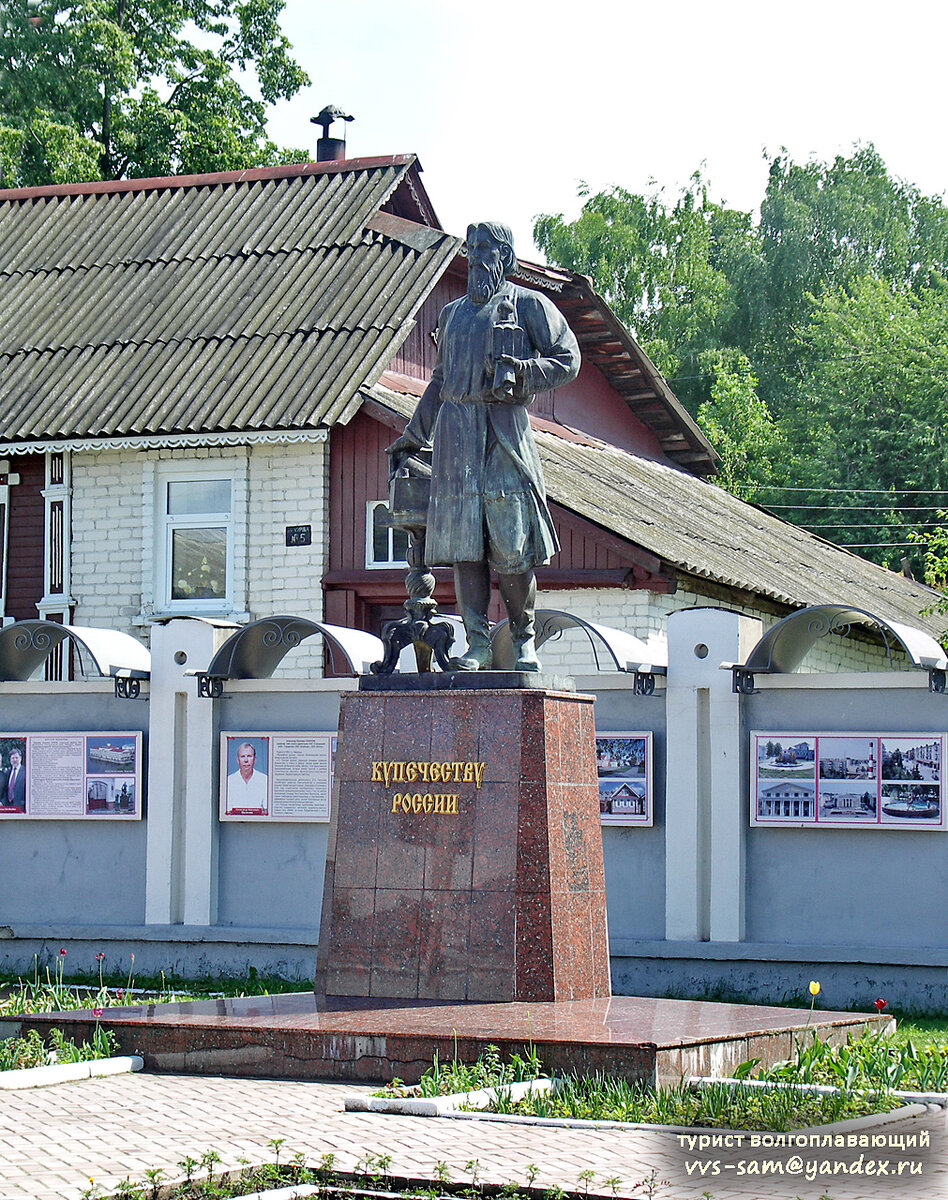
(199, 376)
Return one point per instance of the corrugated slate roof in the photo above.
(225, 303)
(701, 530)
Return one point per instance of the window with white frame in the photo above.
(195, 541)
(384, 546)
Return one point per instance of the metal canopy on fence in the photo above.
(255, 651)
(26, 645)
(784, 647)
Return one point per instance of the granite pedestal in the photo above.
(465, 849)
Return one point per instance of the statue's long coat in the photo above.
(487, 493)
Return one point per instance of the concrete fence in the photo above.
(700, 903)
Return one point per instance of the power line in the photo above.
(868, 545)
(760, 368)
(779, 487)
(922, 508)
(865, 525)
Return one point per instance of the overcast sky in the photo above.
(511, 104)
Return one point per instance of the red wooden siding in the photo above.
(358, 473)
(417, 354)
(25, 564)
(589, 403)
(359, 597)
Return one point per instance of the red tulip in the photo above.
(880, 1003)
(97, 1012)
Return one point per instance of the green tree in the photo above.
(867, 419)
(115, 88)
(739, 425)
(808, 342)
(825, 225)
(653, 263)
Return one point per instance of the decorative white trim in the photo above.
(57, 542)
(166, 441)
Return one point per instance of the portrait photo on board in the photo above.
(13, 775)
(248, 779)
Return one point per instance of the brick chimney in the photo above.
(330, 149)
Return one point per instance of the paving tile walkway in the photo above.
(54, 1139)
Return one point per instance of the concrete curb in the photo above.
(31, 1077)
(443, 1106)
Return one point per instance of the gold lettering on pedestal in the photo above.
(446, 803)
(406, 802)
(428, 772)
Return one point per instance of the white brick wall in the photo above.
(277, 485)
(289, 485)
(113, 526)
(107, 539)
(644, 614)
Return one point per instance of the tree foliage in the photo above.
(809, 341)
(113, 88)
(739, 425)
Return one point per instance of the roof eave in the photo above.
(248, 175)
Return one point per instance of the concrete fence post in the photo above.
(181, 845)
(704, 819)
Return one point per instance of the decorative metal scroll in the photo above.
(783, 648)
(624, 651)
(255, 651)
(26, 645)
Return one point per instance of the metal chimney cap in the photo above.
(329, 114)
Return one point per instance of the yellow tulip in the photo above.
(814, 987)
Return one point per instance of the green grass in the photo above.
(607, 1098)
(870, 1061)
(718, 1106)
(447, 1079)
(51, 991)
(17, 1054)
(202, 1182)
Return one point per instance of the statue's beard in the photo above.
(483, 281)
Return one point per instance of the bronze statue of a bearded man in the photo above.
(498, 347)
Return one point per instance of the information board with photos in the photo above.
(64, 776)
(276, 776)
(624, 768)
(848, 780)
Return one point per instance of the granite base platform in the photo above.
(287, 1036)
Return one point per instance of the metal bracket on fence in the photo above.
(643, 683)
(937, 680)
(210, 687)
(742, 681)
(127, 688)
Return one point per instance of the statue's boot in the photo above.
(472, 586)
(519, 594)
